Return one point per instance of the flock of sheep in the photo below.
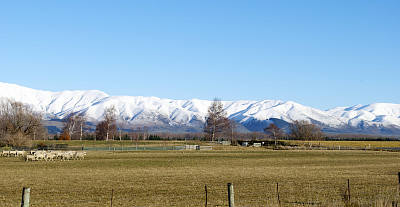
(37, 155)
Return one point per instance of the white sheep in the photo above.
(50, 156)
(30, 158)
(80, 155)
(39, 152)
(5, 153)
(58, 154)
(13, 153)
(40, 156)
(20, 153)
(72, 153)
(66, 156)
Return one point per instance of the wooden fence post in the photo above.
(26, 193)
(348, 189)
(205, 187)
(398, 175)
(231, 195)
(277, 192)
(112, 195)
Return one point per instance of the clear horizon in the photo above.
(318, 54)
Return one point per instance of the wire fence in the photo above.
(142, 147)
(119, 147)
(132, 148)
(351, 192)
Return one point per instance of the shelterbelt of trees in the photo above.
(20, 124)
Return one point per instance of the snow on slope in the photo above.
(288, 111)
(147, 110)
(377, 113)
(157, 111)
(54, 103)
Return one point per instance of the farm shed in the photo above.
(255, 143)
(226, 143)
(197, 147)
(192, 147)
(250, 143)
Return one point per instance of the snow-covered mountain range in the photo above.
(189, 115)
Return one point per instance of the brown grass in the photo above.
(178, 178)
(362, 144)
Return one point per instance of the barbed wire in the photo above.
(10, 204)
(302, 193)
(74, 201)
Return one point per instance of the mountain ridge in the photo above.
(189, 115)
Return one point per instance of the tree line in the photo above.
(218, 126)
(19, 124)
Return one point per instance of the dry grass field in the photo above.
(362, 144)
(178, 178)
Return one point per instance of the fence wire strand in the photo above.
(246, 194)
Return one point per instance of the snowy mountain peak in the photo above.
(189, 115)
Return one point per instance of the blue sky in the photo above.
(321, 54)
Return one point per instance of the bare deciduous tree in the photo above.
(18, 122)
(304, 130)
(216, 120)
(81, 125)
(70, 122)
(120, 126)
(110, 117)
(232, 129)
(74, 123)
(138, 133)
(145, 132)
(101, 130)
(275, 131)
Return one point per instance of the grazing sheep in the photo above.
(66, 156)
(50, 156)
(58, 154)
(5, 153)
(20, 153)
(30, 158)
(40, 156)
(39, 152)
(80, 155)
(13, 152)
(72, 153)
